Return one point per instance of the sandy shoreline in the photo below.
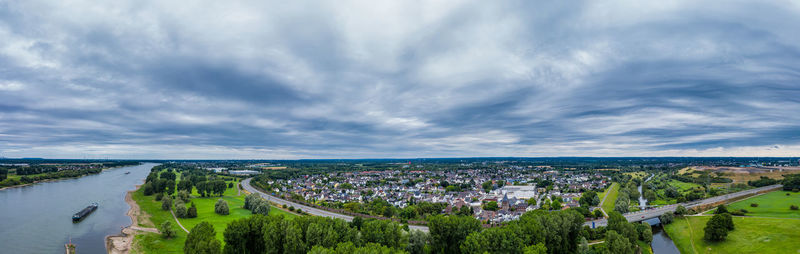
(122, 243)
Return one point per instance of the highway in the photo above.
(634, 216)
(311, 210)
(655, 212)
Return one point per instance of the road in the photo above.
(634, 216)
(311, 210)
(652, 213)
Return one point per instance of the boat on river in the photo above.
(85, 212)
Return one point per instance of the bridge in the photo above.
(655, 212)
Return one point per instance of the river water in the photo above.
(661, 244)
(38, 218)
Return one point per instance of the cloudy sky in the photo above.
(378, 79)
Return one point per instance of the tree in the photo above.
(170, 187)
(666, 218)
(680, 210)
(487, 186)
(618, 244)
(715, 229)
(185, 185)
(598, 213)
(180, 210)
(250, 199)
(583, 247)
(556, 205)
(246, 236)
(293, 242)
(166, 230)
(645, 232)
(166, 203)
(449, 232)
(620, 225)
(202, 240)
(147, 189)
(168, 175)
(221, 207)
(192, 212)
(417, 240)
(539, 248)
(383, 232)
(491, 206)
(721, 209)
(357, 222)
(493, 240)
(183, 196)
(261, 207)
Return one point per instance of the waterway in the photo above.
(661, 244)
(38, 218)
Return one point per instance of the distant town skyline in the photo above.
(396, 79)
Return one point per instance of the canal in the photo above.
(38, 218)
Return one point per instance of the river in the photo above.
(661, 244)
(38, 218)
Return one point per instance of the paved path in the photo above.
(176, 220)
(655, 212)
(311, 210)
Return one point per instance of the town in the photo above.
(493, 196)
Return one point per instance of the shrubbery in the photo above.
(221, 207)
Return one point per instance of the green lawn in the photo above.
(683, 187)
(774, 204)
(154, 243)
(752, 235)
(612, 193)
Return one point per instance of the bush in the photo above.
(180, 210)
(795, 190)
(192, 212)
(666, 218)
(753, 204)
(680, 210)
(159, 196)
(788, 194)
(250, 200)
(291, 208)
(166, 230)
(147, 189)
(793, 207)
(300, 211)
(166, 203)
(184, 196)
(744, 211)
(737, 213)
(221, 207)
(261, 207)
(284, 206)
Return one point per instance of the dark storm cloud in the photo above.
(398, 79)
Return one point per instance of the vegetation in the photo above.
(221, 207)
(166, 230)
(202, 240)
(752, 235)
(773, 204)
(611, 196)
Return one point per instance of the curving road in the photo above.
(652, 213)
(311, 210)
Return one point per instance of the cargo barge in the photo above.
(85, 212)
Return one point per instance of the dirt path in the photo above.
(121, 244)
(179, 222)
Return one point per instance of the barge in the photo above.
(83, 213)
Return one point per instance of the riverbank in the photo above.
(58, 179)
(123, 242)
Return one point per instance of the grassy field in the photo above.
(774, 204)
(154, 243)
(612, 193)
(682, 186)
(639, 174)
(752, 235)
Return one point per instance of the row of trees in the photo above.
(26, 179)
(534, 232)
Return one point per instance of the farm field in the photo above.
(752, 235)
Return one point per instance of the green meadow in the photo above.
(153, 214)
